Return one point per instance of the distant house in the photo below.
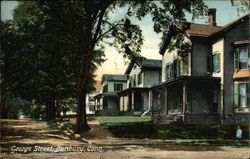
(90, 98)
(141, 75)
(211, 82)
(107, 102)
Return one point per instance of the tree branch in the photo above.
(112, 28)
(98, 28)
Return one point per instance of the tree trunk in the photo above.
(51, 109)
(81, 118)
(3, 109)
(4, 112)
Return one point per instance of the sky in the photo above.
(115, 64)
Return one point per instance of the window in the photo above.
(131, 81)
(118, 87)
(241, 94)
(105, 88)
(241, 56)
(173, 70)
(216, 62)
(185, 66)
(168, 72)
(139, 78)
(134, 80)
(176, 68)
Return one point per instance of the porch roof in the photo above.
(133, 89)
(106, 95)
(186, 78)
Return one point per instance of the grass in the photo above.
(198, 131)
(202, 134)
(66, 128)
(119, 120)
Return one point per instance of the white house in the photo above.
(141, 75)
(107, 102)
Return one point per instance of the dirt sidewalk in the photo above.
(16, 135)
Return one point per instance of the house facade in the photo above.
(107, 102)
(210, 82)
(90, 98)
(136, 99)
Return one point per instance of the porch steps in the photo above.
(168, 119)
(147, 112)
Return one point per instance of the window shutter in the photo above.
(166, 72)
(248, 94)
(209, 65)
(236, 94)
(248, 58)
(218, 62)
(236, 60)
(184, 71)
(178, 68)
(172, 71)
(134, 80)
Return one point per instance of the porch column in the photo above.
(98, 103)
(123, 103)
(133, 101)
(128, 101)
(184, 94)
(166, 100)
(152, 103)
(149, 99)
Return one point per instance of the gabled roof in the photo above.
(232, 24)
(146, 63)
(113, 77)
(197, 30)
(202, 30)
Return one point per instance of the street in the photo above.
(33, 139)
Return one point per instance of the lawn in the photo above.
(141, 128)
(119, 120)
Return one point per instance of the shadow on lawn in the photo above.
(170, 132)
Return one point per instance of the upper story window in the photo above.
(173, 70)
(131, 81)
(241, 56)
(184, 69)
(216, 62)
(139, 78)
(118, 87)
(168, 71)
(134, 81)
(105, 88)
(176, 68)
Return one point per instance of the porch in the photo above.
(134, 101)
(187, 99)
(106, 104)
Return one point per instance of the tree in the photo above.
(90, 25)
(32, 68)
(78, 30)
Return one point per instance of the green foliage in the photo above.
(52, 49)
(114, 120)
(152, 131)
(178, 43)
(52, 125)
(66, 126)
(66, 104)
(243, 6)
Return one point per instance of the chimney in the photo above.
(212, 16)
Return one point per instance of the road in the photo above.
(34, 140)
